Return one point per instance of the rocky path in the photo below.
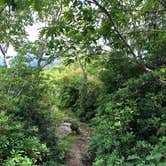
(78, 149)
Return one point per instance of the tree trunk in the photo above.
(4, 52)
(84, 88)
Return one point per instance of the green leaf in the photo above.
(133, 157)
(2, 2)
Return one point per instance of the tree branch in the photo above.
(2, 9)
(162, 3)
(115, 27)
(82, 67)
(117, 31)
(4, 52)
(42, 51)
(20, 90)
(11, 81)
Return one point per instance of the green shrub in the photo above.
(18, 143)
(117, 70)
(27, 124)
(128, 128)
(71, 91)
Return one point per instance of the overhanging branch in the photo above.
(115, 27)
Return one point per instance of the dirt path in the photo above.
(78, 149)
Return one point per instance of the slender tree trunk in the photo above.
(42, 52)
(82, 68)
(4, 52)
(83, 90)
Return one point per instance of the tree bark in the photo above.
(83, 90)
(4, 52)
(82, 68)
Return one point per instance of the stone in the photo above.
(64, 130)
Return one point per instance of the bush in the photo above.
(117, 70)
(87, 104)
(71, 91)
(128, 123)
(19, 144)
(27, 125)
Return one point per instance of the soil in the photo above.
(77, 151)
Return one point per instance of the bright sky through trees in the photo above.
(33, 34)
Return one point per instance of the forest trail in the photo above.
(78, 149)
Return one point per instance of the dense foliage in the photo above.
(131, 124)
(28, 135)
(111, 74)
(69, 82)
